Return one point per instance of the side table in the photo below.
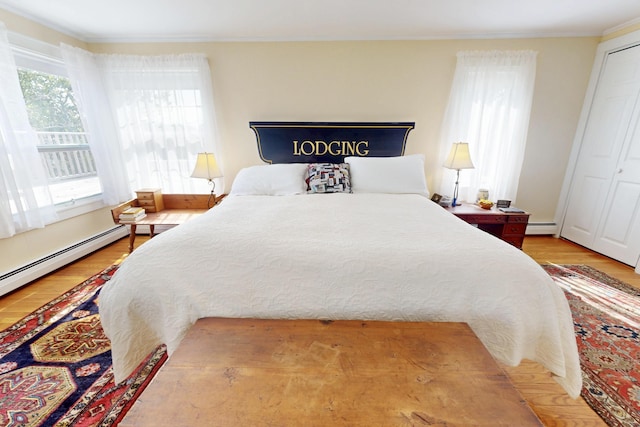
(177, 209)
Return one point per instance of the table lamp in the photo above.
(458, 158)
(207, 168)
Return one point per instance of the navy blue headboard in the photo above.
(329, 142)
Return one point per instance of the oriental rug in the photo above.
(55, 365)
(606, 317)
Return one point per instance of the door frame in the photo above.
(604, 49)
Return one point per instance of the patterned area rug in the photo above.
(55, 365)
(606, 316)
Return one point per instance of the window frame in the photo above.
(43, 57)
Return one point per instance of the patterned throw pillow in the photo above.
(328, 178)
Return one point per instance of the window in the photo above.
(63, 144)
(161, 116)
(145, 117)
(489, 107)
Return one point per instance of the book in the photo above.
(127, 216)
(132, 214)
(511, 210)
(132, 220)
(132, 210)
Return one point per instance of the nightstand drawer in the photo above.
(483, 219)
(514, 228)
(147, 204)
(518, 218)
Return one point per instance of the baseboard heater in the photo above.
(541, 228)
(38, 268)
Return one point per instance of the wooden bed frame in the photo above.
(329, 142)
(311, 372)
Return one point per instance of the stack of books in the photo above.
(131, 215)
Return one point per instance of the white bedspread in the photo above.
(338, 256)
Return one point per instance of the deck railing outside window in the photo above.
(66, 155)
(70, 167)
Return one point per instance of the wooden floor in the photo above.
(544, 395)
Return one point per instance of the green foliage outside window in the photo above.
(50, 103)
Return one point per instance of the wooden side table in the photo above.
(176, 209)
(508, 226)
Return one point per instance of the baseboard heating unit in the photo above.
(542, 228)
(38, 268)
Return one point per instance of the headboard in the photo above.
(329, 142)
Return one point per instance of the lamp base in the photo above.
(212, 196)
(455, 190)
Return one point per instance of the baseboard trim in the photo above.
(23, 275)
(542, 228)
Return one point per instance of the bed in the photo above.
(354, 239)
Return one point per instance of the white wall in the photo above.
(388, 81)
(358, 81)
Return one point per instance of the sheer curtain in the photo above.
(489, 107)
(25, 201)
(87, 82)
(161, 108)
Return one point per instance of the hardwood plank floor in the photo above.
(17, 304)
(549, 250)
(535, 383)
(542, 393)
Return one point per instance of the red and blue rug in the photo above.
(55, 365)
(606, 317)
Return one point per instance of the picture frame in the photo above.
(436, 197)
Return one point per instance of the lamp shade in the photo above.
(459, 157)
(206, 167)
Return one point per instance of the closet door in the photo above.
(603, 213)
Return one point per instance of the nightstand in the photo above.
(508, 226)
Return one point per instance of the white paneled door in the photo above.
(603, 211)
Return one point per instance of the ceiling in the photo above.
(273, 20)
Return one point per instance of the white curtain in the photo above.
(87, 82)
(162, 110)
(489, 108)
(25, 201)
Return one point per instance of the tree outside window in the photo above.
(63, 144)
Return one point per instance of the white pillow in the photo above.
(271, 180)
(397, 175)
